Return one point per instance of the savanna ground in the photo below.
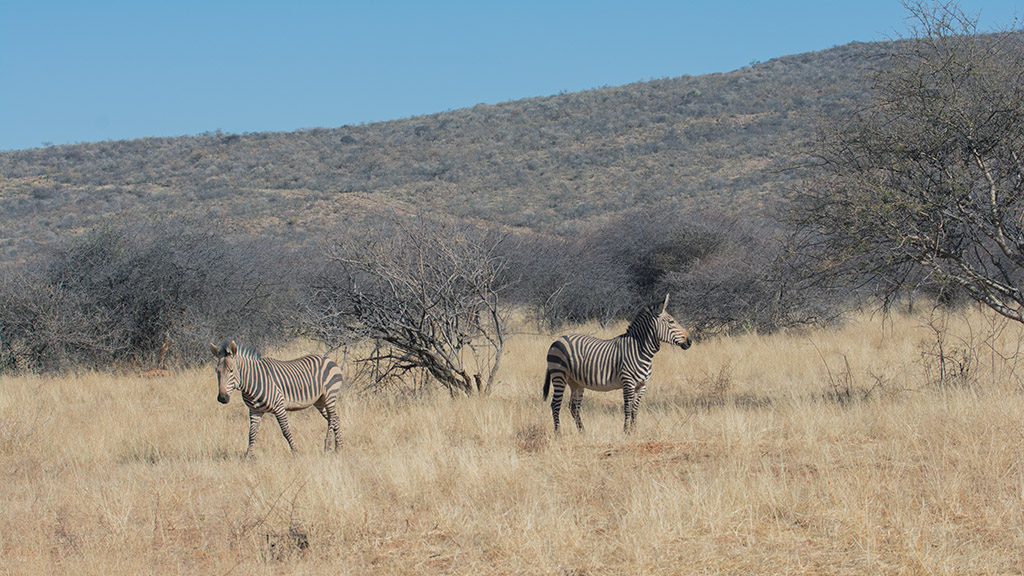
(877, 448)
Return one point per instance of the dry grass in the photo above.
(834, 452)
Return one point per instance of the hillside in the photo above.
(720, 141)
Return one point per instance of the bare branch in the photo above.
(421, 287)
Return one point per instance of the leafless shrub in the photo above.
(137, 293)
(281, 545)
(715, 387)
(950, 360)
(531, 439)
(727, 275)
(427, 292)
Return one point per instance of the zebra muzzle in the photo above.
(223, 398)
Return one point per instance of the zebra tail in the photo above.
(547, 384)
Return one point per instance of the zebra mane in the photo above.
(642, 326)
(248, 352)
(243, 350)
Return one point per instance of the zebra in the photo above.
(279, 386)
(582, 361)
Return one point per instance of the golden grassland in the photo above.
(860, 450)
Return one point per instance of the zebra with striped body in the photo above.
(279, 386)
(585, 362)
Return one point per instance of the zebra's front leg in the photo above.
(628, 406)
(254, 427)
(282, 420)
(636, 405)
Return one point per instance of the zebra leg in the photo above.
(636, 404)
(628, 406)
(282, 420)
(558, 382)
(575, 400)
(330, 413)
(254, 427)
(334, 424)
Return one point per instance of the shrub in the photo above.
(137, 292)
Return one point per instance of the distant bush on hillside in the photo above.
(134, 292)
(724, 275)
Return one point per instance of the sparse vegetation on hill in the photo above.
(618, 193)
(614, 195)
(721, 142)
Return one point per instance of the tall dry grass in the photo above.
(839, 452)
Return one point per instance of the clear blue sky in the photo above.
(86, 71)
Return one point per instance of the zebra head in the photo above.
(669, 331)
(227, 369)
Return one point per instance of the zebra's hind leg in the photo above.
(327, 439)
(254, 427)
(330, 413)
(556, 399)
(335, 425)
(575, 401)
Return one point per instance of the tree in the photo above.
(428, 292)
(926, 185)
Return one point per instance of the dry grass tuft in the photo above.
(531, 439)
(861, 450)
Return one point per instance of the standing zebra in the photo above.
(279, 386)
(583, 362)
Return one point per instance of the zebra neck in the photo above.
(646, 344)
(248, 378)
(649, 346)
(643, 331)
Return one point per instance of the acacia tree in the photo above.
(428, 292)
(927, 183)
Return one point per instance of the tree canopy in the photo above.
(925, 185)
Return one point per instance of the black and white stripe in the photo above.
(279, 386)
(584, 362)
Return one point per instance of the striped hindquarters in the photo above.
(330, 376)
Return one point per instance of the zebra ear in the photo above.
(215, 349)
(232, 348)
(665, 305)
